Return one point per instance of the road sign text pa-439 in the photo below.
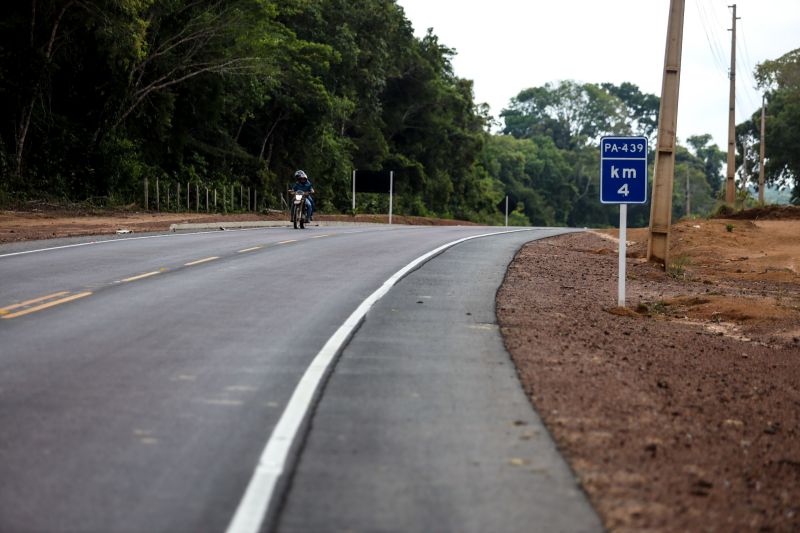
(623, 170)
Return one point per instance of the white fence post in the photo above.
(391, 193)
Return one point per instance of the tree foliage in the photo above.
(565, 122)
(780, 79)
(712, 159)
(574, 115)
(96, 95)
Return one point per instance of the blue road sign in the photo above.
(623, 170)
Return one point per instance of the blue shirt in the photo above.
(305, 187)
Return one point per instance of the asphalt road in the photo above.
(140, 380)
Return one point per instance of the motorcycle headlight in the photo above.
(298, 197)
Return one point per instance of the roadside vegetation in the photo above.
(97, 96)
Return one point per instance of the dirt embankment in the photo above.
(680, 412)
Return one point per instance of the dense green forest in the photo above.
(98, 95)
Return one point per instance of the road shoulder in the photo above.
(423, 425)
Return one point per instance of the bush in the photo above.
(723, 211)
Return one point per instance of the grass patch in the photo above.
(654, 308)
(677, 267)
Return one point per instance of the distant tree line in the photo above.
(780, 81)
(97, 95)
(555, 129)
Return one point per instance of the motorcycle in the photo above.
(298, 210)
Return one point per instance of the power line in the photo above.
(713, 44)
(746, 50)
(717, 20)
(711, 26)
(708, 29)
(744, 83)
(749, 62)
(740, 109)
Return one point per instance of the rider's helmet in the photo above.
(300, 176)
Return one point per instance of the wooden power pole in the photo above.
(661, 206)
(761, 154)
(730, 186)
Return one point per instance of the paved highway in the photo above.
(167, 383)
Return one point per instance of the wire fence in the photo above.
(198, 197)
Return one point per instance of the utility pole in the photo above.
(730, 187)
(761, 155)
(661, 206)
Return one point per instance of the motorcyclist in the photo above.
(303, 184)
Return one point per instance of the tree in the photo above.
(712, 158)
(780, 79)
(96, 81)
(702, 198)
(169, 85)
(430, 117)
(572, 114)
(642, 108)
(573, 117)
(534, 174)
(34, 36)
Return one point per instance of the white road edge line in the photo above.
(250, 513)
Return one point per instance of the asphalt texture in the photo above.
(144, 405)
(424, 426)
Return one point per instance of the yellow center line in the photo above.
(141, 276)
(250, 249)
(5, 310)
(287, 242)
(319, 236)
(207, 259)
(46, 305)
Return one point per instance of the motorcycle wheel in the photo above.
(297, 215)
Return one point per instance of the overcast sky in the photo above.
(505, 46)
